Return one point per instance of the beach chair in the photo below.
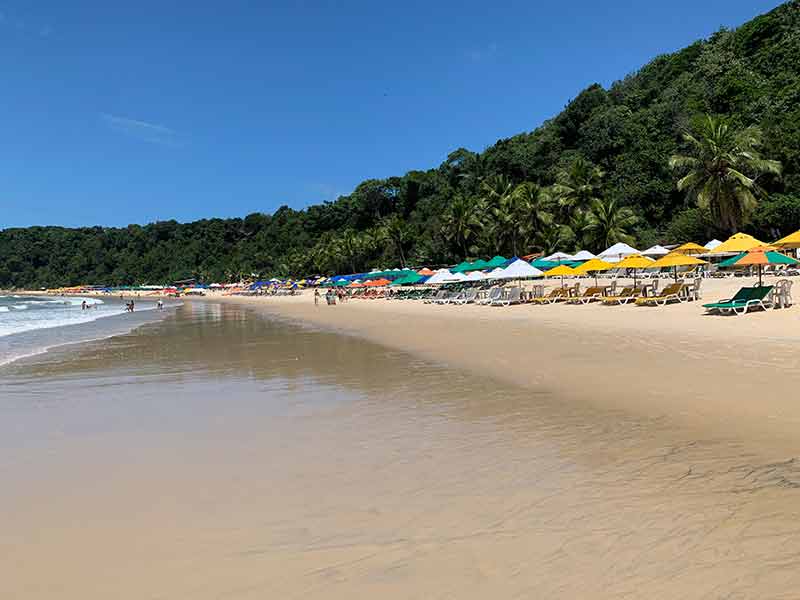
(628, 294)
(672, 293)
(589, 295)
(494, 294)
(745, 299)
(556, 295)
(448, 298)
(468, 297)
(513, 297)
(438, 296)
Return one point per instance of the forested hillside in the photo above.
(597, 172)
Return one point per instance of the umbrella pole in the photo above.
(759, 276)
(675, 273)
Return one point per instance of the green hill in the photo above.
(750, 75)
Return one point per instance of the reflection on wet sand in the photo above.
(218, 454)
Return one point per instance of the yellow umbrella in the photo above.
(593, 266)
(790, 241)
(560, 270)
(738, 242)
(634, 261)
(675, 260)
(690, 248)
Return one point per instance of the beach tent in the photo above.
(713, 244)
(738, 242)
(519, 269)
(583, 255)
(617, 252)
(655, 251)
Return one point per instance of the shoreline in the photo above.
(728, 376)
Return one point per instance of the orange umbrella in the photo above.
(425, 271)
(377, 282)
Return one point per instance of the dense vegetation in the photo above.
(639, 162)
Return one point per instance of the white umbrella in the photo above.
(655, 251)
(558, 256)
(439, 277)
(617, 252)
(583, 255)
(452, 278)
(476, 276)
(519, 269)
(712, 244)
(495, 274)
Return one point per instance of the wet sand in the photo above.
(223, 454)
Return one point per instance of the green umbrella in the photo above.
(759, 257)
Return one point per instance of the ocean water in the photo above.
(30, 325)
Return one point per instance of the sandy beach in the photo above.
(733, 376)
(264, 447)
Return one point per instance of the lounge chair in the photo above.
(589, 295)
(745, 299)
(672, 293)
(494, 294)
(628, 294)
(439, 295)
(468, 297)
(513, 297)
(555, 295)
(448, 298)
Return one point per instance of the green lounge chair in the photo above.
(744, 299)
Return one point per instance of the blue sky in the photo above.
(114, 113)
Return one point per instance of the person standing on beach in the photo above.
(83, 305)
(316, 297)
(160, 305)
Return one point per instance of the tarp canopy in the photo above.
(617, 252)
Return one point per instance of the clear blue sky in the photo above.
(114, 113)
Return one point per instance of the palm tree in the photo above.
(577, 186)
(396, 230)
(551, 238)
(608, 223)
(721, 170)
(350, 246)
(534, 204)
(462, 222)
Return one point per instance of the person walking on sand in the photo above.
(316, 296)
(160, 305)
(83, 305)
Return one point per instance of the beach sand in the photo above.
(527, 452)
(730, 375)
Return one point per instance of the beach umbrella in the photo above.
(655, 251)
(790, 241)
(560, 271)
(478, 265)
(738, 242)
(634, 261)
(425, 271)
(558, 256)
(759, 256)
(617, 252)
(476, 276)
(583, 255)
(690, 248)
(675, 260)
(593, 266)
(496, 261)
(711, 245)
(519, 269)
